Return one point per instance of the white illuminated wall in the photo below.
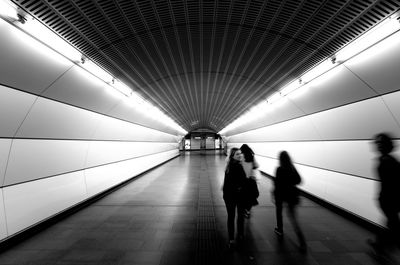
(328, 127)
(64, 136)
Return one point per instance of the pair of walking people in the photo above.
(240, 190)
(239, 196)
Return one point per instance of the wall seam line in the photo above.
(326, 169)
(82, 169)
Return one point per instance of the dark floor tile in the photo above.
(142, 257)
(82, 255)
(177, 258)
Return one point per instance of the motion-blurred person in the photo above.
(388, 170)
(250, 166)
(234, 182)
(286, 180)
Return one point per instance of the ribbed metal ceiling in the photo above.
(206, 62)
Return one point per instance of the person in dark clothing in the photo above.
(285, 191)
(250, 166)
(388, 170)
(234, 182)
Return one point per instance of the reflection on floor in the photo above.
(175, 214)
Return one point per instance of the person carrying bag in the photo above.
(250, 167)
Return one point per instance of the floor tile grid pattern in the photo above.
(208, 242)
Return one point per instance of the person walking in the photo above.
(234, 182)
(286, 180)
(388, 170)
(250, 167)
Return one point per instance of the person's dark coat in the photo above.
(286, 180)
(234, 181)
(388, 172)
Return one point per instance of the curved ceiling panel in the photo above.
(206, 62)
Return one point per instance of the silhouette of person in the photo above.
(285, 191)
(234, 182)
(250, 166)
(388, 170)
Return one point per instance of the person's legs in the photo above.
(231, 208)
(393, 224)
(296, 226)
(279, 221)
(240, 220)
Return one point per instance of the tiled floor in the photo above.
(175, 215)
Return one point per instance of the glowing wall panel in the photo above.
(101, 152)
(51, 119)
(3, 226)
(349, 157)
(34, 201)
(103, 177)
(338, 87)
(392, 102)
(5, 145)
(128, 111)
(357, 195)
(299, 129)
(379, 66)
(361, 120)
(26, 64)
(34, 159)
(79, 88)
(14, 106)
(113, 129)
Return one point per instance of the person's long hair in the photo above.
(285, 161)
(230, 158)
(247, 153)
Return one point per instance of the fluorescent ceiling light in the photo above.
(274, 98)
(324, 71)
(8, 10)
(136, 98)
(97, 71)
(290, 88)
(383, 47)
(43, 38)
(121, 87)
(318, 70)
(258, 110)
(376, 34)
(51, 39)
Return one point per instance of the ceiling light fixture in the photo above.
(96, 70)
(383, 30)
(8, 10)
(121, 87)
(274, 98)
(370, 38)
(40, 32)
(318, 70)
(46, 38)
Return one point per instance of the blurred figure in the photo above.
(250, 166)
(388, 170)
(286, 180)
(234, 182)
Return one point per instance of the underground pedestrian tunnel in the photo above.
(116, 116)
